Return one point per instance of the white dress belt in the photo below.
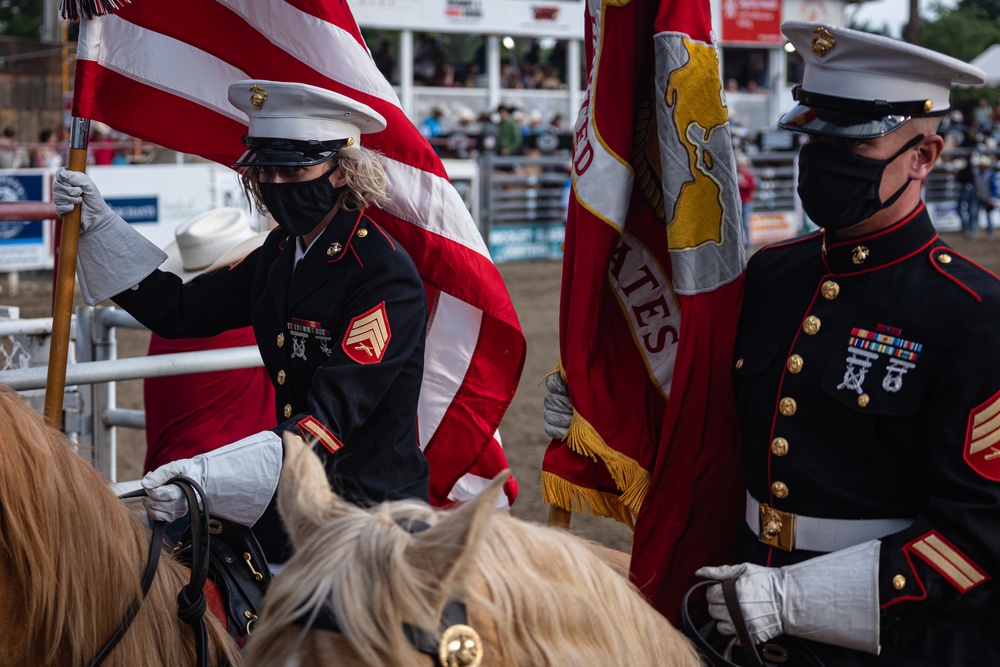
(826, 535)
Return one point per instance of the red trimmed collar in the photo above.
(881, 248)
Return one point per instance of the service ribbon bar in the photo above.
(893, 346)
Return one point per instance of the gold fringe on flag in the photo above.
(578, 499)
(629, 476)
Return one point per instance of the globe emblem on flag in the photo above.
(11, 190)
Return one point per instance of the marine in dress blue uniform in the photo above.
(869, 393)
(338, 309)
(342, 338)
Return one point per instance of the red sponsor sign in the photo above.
(753, 21)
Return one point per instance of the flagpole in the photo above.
(62, 308)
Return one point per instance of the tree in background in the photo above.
(21, 18)
(966, 31)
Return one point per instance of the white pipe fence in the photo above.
(90, 413)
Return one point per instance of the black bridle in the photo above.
(191, 599)
(454, 616)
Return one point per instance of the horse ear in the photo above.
(304, 495)
(448, 547)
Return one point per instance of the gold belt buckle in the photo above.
(777, 528)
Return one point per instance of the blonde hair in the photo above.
(366, 179)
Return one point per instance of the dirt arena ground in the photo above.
(534, 288)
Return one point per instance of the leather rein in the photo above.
(699, 636)
(191, 599)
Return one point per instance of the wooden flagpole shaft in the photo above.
(62, 308)
(559, 518)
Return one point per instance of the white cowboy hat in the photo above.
(216, 238)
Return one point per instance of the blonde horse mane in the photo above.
(71, 560)
(537, 595)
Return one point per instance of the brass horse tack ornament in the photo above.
(460, 647)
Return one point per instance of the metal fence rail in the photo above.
(90, 411)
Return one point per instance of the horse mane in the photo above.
(72, 556)
(545, 594)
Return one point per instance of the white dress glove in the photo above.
(557, 408)
(831, 598)
(112, 256)
(239, 480)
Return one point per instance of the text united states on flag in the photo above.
(160, 71)
(651, 289)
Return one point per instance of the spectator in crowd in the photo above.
(47, 155)
(101, 151)
(987, 191)
(431, 128)
(953, 129)
(968, 197)
(12, 156)
(982, 115)
(534, 125)
(461, 142)
(509, 137)
(747, 182)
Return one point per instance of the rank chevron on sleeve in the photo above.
(367, 336)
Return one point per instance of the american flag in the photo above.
(160, 71)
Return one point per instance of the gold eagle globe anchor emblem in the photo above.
(823, 43)
(257, 97)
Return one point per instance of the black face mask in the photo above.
(839, 188)
(299, 207)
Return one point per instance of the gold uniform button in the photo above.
(787, 406)
(944, 258)
(281, 340)
(794, 364)
(281, 377)
(863, 400)
(898, 582)
(362, 233)
(779, 489)
(739, 364)
(288, 410)
(830, 290)
(779, 446)
(811, 325)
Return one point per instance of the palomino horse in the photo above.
(72, 557)
(534, 595)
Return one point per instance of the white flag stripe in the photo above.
(328, 49)
(450, 346)
(163, 63)
(414, 192)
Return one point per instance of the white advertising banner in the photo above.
(540, 18)
(154, 199)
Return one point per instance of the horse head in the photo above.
(72, 557)
(533, 595)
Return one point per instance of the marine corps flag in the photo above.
(161, 71)
(651, 287)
